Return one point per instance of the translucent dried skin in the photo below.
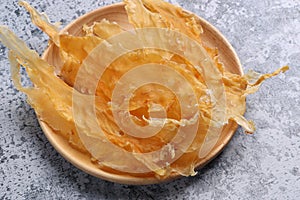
(41, 20)
(73, 51)
(52, 98)
(103, 29)
(157, 13)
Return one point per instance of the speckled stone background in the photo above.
(266, 165)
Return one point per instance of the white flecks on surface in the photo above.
(266, 165)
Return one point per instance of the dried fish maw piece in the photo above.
(41, 20)
(52, 100)
(144, 97)
(58, 93)
(176, 17)
(148, 161)
(237, 88)
(259, 79)
(157, 13)
(235, 100)
(73, 51)
(161, 14)
(50, 96)
(103, 29)
(140, 17)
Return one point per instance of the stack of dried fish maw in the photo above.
(116, 149)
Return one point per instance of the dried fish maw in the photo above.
(157, 13)
(86, 114)
(73, 51)
(50, 96)
(41, 20)
(103, 29)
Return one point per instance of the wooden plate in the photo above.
(116, 12)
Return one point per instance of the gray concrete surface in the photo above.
(266, 165)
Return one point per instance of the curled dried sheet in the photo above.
(157, 108)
